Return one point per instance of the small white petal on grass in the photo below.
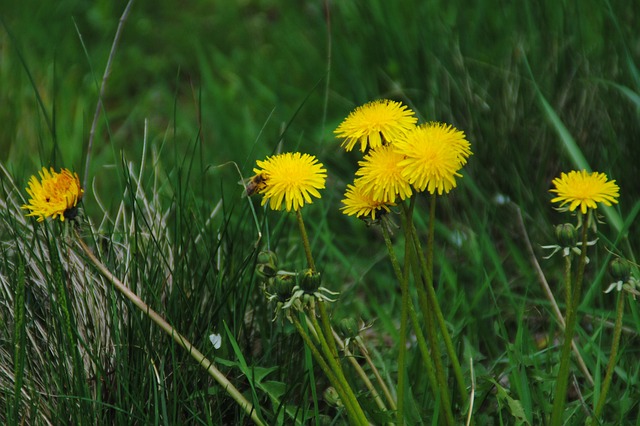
(216, 340)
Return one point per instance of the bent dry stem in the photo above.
(175, 335)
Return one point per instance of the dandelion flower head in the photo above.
(359, 202)
(375, 123)
(433, 155)
(290, 178)
(381, 175)
(584, 189)
(54, 194)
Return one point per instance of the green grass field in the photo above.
(197, 92)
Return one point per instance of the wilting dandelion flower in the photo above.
(584, 189)
(381, 175)
(358, 202)
(434, 153)
(290, 177)
(375, 123)
(54, 194)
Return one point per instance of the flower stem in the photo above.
(442, 388)
(328, 344)
(560, 394)
(354, 411)
(427, 272)
(305, 241)
(403, 279)
(617, 331)
(385, 389)
(360, 371)
(175, 335)
(324, 317)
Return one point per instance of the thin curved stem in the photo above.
(103, 85)
(360, 371)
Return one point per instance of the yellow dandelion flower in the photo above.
(381, 175)
(584, 189)
(290, 177)
(434, 153)
(375, 123)
(54, 194)
(359, 202)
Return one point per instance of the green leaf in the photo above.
(513, 405)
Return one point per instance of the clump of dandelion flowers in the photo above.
(54, 194)
(433, 155)
(359, 202)
(375, 123)
(381, 175)
(290, 179)
(584, 189)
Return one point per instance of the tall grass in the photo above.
(195, 87)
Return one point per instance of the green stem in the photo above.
(355, 416)
(324, 317)
(328, 345)
(560, 394)
(403, 279)
(427, 316)
(175, 335)
(360, 371)
(427, 272)
(305, 241)
(424, 350)
(376, 373)
(568, 295)
(422, 344)
(334, 363)
(617, 331)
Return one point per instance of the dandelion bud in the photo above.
(566, 235)
(309, 281)
(349, 328)
(283, 285)
(268, 257)
(267, 264)
(619, 269)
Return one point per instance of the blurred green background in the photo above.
(229, 77)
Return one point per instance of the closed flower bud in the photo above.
(268, 257)
(267, 265)
(620, 269)
(566, 235)
(283, 285)
(309, 281)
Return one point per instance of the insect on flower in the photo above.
(254, 185)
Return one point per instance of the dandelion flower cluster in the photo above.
(375, 123)
(54, 194)
(433, 155)
(290, 179)
(401, 157)
(584, 189)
